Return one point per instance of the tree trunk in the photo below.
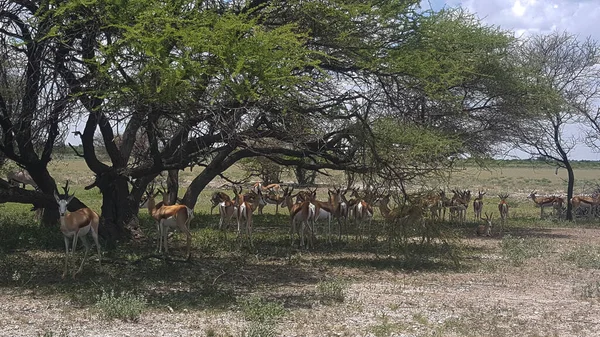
(119, 209)
(570, 185)
(305, 177)
(173, 186)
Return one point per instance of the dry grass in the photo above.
(540, 279)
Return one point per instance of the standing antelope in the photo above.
(227, 210)
(244, 210)
(503, 209)
(340, 209)
(543, 202)
(478, 205)
(584, 203)
(362, 211)
(77, 225)
(271, 198)
(487, 228)
(323, 210)
(170, 217)
(216, 198)
(301, 212)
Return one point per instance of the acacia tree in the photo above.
(35, 104)
(301, 83)
(563, 76)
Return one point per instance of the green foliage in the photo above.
(451, 47)
(126, 306)
(584, 256)
(257, 309)
(331, 291)
(517, 250)
(411, 146)
(260, 329)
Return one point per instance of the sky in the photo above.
(527, 17)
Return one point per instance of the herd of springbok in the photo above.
(304, 212)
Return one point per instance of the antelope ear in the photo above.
(70, 198)
(56, 197)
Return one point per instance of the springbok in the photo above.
(299, 212)
(503, 209)
(487, 228)
(270, 198)
(21, 177)
(362, 212)
(543, 202)
(323, 210)
(170, 217)
(478, 205)
(340, 208)
(77, 225)
(584, 203)
(244, 211)
(216, 198)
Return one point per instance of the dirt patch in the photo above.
(491, 296)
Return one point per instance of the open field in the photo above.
(538, 279)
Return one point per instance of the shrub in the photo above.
(585, 256)
(331, 291)
(260, 329)
(256, 309)
(127, 306)
(517, 250)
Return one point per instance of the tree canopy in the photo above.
(359, 86)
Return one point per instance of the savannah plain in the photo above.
(540, 277)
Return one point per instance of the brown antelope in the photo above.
(543, 202)
(244, 210)
(459, 204)
(384, 208)
(362, 211)
(170, 217)
(503, 209)
(270, 198)
(487, 228)
(77, 225)
(478, 205)
(302, 213)
(323, 210)
(265, 189)
(584, 203)
(340, 208)
(20, 177)
(227, 210)
(216, 198)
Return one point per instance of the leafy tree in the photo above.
(562, 73)
(307, 84)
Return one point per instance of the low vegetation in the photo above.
(125, 306)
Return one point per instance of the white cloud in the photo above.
(577, 17)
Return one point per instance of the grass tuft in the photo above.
(257, 309)
(584, 256)
(517, 250)
(127, 306)
(260, 329)
(331, 291)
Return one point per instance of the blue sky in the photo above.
(526, 17)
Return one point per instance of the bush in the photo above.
(127, 306)
(256, 309)
(517, 250)
(260, 329)
(585, 256)
(331, 291)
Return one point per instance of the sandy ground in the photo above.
(542, 297)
